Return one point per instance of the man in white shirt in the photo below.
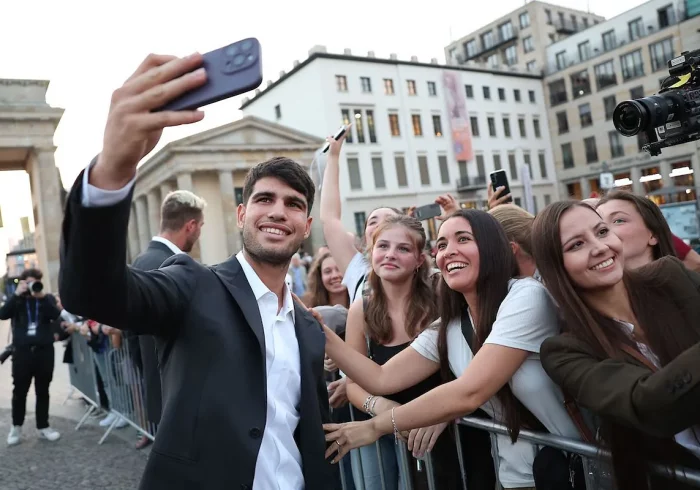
(244, 398)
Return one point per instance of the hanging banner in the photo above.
(458, 116)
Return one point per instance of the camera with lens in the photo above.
(5, 354)
(35, 287)
(671, 117)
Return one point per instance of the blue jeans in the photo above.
(371, 476)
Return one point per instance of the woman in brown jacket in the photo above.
(631, 348)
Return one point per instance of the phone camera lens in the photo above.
(251, 57)
(232, 50)
(238, 60)
(246, 45)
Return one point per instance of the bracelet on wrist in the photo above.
(396, 430)
(365, 405)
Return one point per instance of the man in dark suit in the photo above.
(241, 363)
(181, 221)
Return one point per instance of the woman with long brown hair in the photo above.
(640, 226)
(496, 366)
(630, 352)
(325, 283)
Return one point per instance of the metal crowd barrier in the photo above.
(589, 452)
(122, 381)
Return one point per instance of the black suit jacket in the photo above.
(211, 346)
(154, 256)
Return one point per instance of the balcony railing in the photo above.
(567, 27)
(621, 39)
(498, 40)
(467, 183)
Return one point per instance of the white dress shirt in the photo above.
(173, 248)
(278, 466)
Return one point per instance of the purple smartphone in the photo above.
(231, 71)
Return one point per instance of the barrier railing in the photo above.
(123, 385)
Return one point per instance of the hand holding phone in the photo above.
(339, 134)
(499, 178)
(428, 211)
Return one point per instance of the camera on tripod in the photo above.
(672, 117)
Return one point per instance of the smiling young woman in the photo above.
(630, 352)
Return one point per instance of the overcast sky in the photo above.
(87, 49)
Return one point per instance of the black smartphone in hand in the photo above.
(499, 178)
(336, 137)
(231, 70)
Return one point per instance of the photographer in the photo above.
(33, 313)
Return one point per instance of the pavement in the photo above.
(75, 461)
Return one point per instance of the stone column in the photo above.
(165, 189)
(665, 170)
(228, 209)
(184, 182)
(133, 236)
(48, 212)
(144, 233)
(585, 188)
(635, 175)
(153, 201)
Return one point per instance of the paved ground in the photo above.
(75, 461)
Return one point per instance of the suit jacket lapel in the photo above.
(233, 278)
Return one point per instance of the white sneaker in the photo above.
(14, 436)
(49, 434)
(121, 424)
(107, 421)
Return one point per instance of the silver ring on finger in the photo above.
(339, 444)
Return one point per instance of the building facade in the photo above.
(401, 150)
(213, 164)
(518, 40)
(589, 73)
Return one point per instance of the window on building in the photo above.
(394, 125)
(432, 89)
(487, 92)
(401, 176)
(345, 115)
(660, 53)
(584, 114)
(510, 55)
(562, 122)
(636, 28)
(584, 50)
(462, 167)
(557, 92)
(560, 59)
(501, 94)
(666, 16)
(506, 127)
(469, 91)
(536, 127)
(521, 126)
(487, 40)
(531, 66)
(591, 149)
(388, 86)
(444, 170)
(378, 170)
(470, 48)
(492, 126)
(516, 94)
(369, 114)
(609, 103)
(524, 20)
(637, 92)
(567, 155)
(528, 44)
(411, 85)
(417, 126)
(354, 173)
(512, 166)
(474, 123)
(609, 42)
(531, 95)
(580, 84)
(423, 170)
(585, 22)
(278, 112)
(366, 84)
(605, 75)
(518, 201)
(497, 161)
(437, 125)
(506, 31)
(632, 65)
(543, 164)
(359, 126)
(548, 13)
(616, 148)
(547, 200)
(341, 83)
(360, 219)
(480, 169)
(493, 61)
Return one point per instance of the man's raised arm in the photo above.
(94, 280)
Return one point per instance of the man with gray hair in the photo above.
(181, 221)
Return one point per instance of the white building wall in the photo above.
(310, 101)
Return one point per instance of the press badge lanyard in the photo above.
(31, 330)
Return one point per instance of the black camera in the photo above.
(671, 117)
(6, 353)
(35, 287)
